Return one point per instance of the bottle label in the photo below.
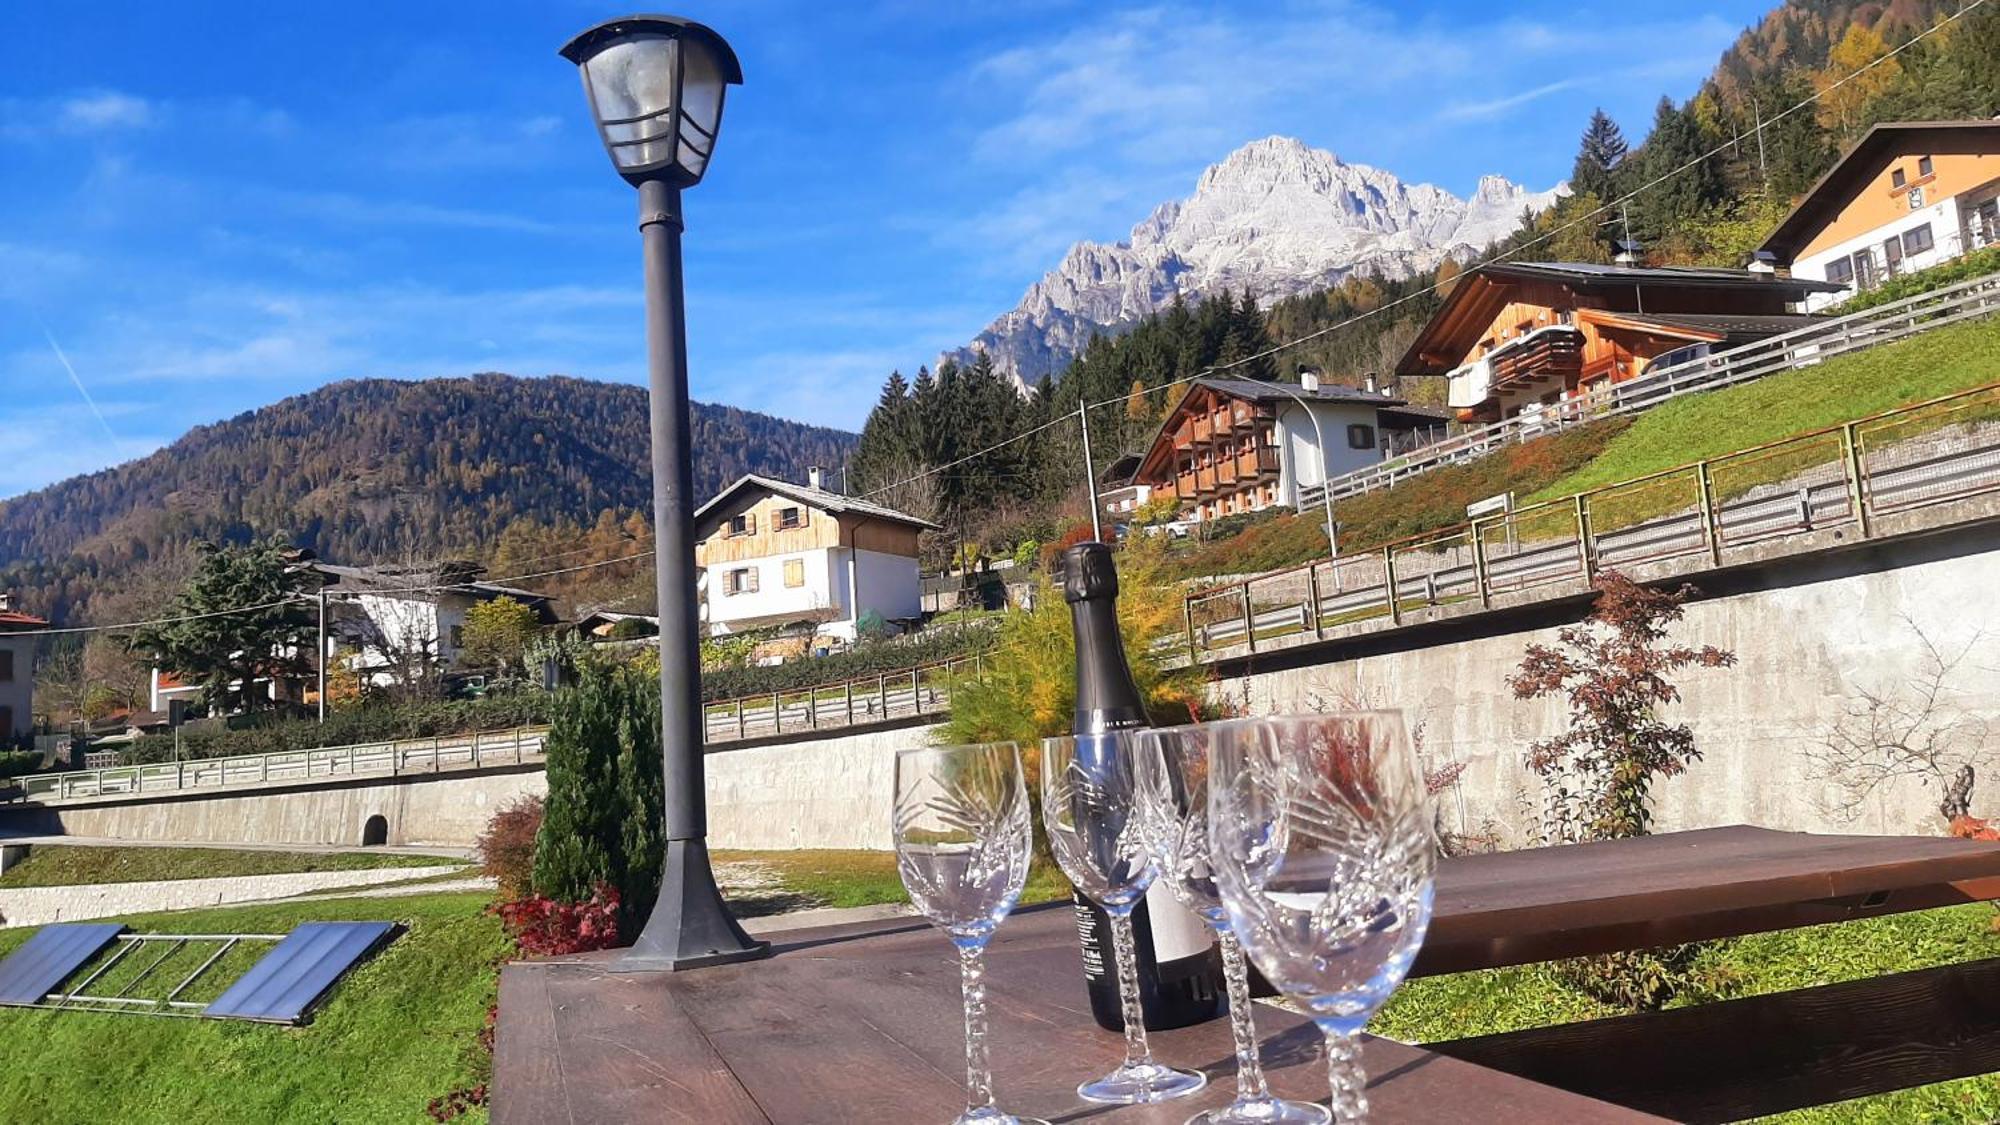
(1096, 964)
(1177, 932)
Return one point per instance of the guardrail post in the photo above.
(1584, 554)
(1389, 585)
(263, 767)
(739, 716)
(812, 708)
(1249, 619)
(882, 694)
(1187, 616)
(777, 713)
(1711, 526)
(1479, 567)
(180, 775)
(1850, 456)
(1312, 599)
(916, 694)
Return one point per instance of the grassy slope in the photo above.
(398, 1031)
(1438, 1008)
(831, 877)
(68, 865)
(1839, 390)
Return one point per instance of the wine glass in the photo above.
(1096, 828)
(1325, 860)
(962, 836)
(1174, 774)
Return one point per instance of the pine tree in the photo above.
(1598, 158)
(601, 823)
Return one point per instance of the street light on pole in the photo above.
(1319, 438)
(656, 85)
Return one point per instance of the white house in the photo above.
(405, 624)
(777, 553)
(17, 671)
(1907, 196)
(1242, 445)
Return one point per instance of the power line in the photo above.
(1435, 286)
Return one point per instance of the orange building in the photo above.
(1908, 195)
(1516, 336)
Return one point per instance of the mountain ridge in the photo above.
(1276, 218)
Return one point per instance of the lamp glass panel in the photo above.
(701, 105)
(635, 78)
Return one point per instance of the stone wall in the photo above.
(35, 906)
(1807, 654)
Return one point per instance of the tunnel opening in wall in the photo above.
(375, 831)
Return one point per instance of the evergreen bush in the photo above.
(601, 818)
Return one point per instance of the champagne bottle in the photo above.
(1180, 969)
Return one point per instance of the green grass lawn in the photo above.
(69, 865)
(1840, 390)
(1451, 1007)
(838, 877)
(399, 1030)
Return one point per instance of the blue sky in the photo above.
(205, 208)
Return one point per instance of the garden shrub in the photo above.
(1979, 263)
(507, 847)
(545, 927)
(601, 821)
(869, 658)
(361, 722)
(14, 763)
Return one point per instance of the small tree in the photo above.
(1614, 671)
(241, 618)
(601, 819)
(497, 634)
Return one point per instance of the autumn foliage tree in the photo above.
(1614, 670)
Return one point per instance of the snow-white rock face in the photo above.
(1276, 217)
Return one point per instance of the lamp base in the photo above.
(690, 928)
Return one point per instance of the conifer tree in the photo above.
(1598, 158)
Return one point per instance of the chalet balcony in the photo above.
(1547, 357)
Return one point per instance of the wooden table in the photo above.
(862, 1023)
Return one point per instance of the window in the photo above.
(458, 636)
(789, 518)
(1840, 271)
(1892, 252)
(1897, 179)
(1360, 436)
(795, 573)
(6, 722)
(745, 524)
(6, 670)
(1916, 240)
(742, 580)
(1924, 166)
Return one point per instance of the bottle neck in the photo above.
(1107, 698)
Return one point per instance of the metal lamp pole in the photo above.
(1325, 493)
(656, 85)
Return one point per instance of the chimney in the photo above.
(1309, 379)
(1764, 264)
(1630, 253)
(1368, 382)
(813, 477)
(6, 601)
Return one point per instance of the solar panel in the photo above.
(286, 982)
(48, 958)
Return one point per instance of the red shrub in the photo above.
(507, 847)
(458, 1103)
(543, 927)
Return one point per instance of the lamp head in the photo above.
(655, 85)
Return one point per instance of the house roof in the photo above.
(15, 621)
(452, 577)
(818, 498)
(1825, 198)
(1479, 295)
(1257, 390)
(1730, 328)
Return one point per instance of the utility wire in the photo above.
(1212, 369)
(1589, 217)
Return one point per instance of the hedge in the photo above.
(378, 722)
(868, 658)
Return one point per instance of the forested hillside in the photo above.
(379, 470)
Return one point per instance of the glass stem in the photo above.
(1136, 1052)
(1249, 1069)
(978, 1072)
(1345, 1077)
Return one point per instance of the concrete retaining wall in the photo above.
(1808, 655)
(822, 793)
(36, 906)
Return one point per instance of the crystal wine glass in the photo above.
(962, 837)
(1174, 768)
(1096, 828)
(1325, 859)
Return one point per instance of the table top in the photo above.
(867, 1027)
(1512, 908)
(862, 1022)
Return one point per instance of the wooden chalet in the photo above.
(1515, 336)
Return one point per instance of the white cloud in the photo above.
(107, 109)
(1495, 107)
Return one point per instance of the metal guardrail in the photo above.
(1799, 348)
(384, 759)
(922, 690)
(1845, 476)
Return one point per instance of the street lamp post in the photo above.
(656, 85)
(1325, 491)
